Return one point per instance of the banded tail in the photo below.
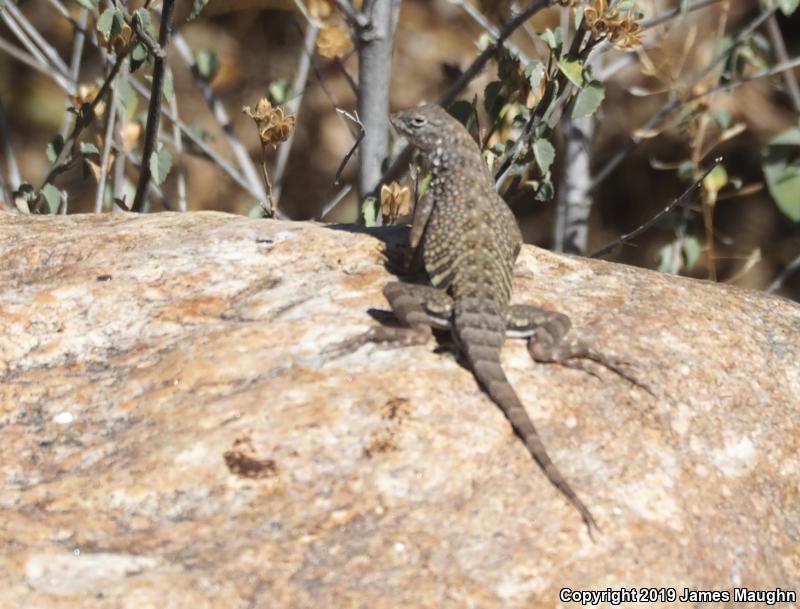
(479, 329)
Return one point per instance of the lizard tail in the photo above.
(479, 328)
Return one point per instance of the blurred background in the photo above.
(246, 50)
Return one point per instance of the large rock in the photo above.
(173, 436)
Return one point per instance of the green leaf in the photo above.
(572, 69)
(723, 118)
(160, 164)
(88, 148)
(127, 97)
(54, 148)
(717, 179)
(544, 189)
(534, 71)
(280, 91)
(168, 89)
(139, 55)
(665, 259)
(146, 21)
(207, 62)
(782, 172)
(588, 99)
(369, 211)
(691, 251)
(110, 23)
(578, 17)
(545, 154)
(553, 38)
(90, 4)
(197, 7)
(788, 6)
(52, 198)
(790, 137)
(256, 211)
(686, 170)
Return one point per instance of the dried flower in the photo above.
(395, 200)
(274, 124)
(320, 9)
(333, 41)
(607, 22)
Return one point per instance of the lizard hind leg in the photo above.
(548, 342)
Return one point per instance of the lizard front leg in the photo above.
(422, 213)
(548, 342)
(419, 309)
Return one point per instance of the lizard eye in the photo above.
(418, 121)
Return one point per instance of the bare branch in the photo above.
(402, 160)
(14, 179)
(32, 39)
(84, 119)
(482, 21)
(111, 120)
(240, 152)
(783, 56)
(679, 201)
(359, 137)
(154, 111)
(776, 285)
(675, 101)
(293, 107)
(374, 44)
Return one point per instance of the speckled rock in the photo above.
(173, 435)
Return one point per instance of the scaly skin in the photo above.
(470, 241)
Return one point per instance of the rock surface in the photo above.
(172, 435)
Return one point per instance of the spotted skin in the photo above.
(470, 240)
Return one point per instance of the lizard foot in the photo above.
(568, 353)
(389, 336)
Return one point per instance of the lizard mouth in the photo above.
(397, 122)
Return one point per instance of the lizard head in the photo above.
(426, 127)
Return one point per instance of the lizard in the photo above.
(469, 241)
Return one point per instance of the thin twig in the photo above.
(84, 119)
(681, 200)
(304, 11)
(18, 19)
(120, 180)
(335, 201)
(44, 68)
(776, 285)
(178, 144)
(111, 120)
(675, 101)
(14, 179)
(293, 107)
(201, 145)
(75, 64)
(482, 21)
(783, 56)
(359, 137)
(475, 68)
(674, 12)
(154, 110)
(240, 152)
(774, 70)
(374, 44)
